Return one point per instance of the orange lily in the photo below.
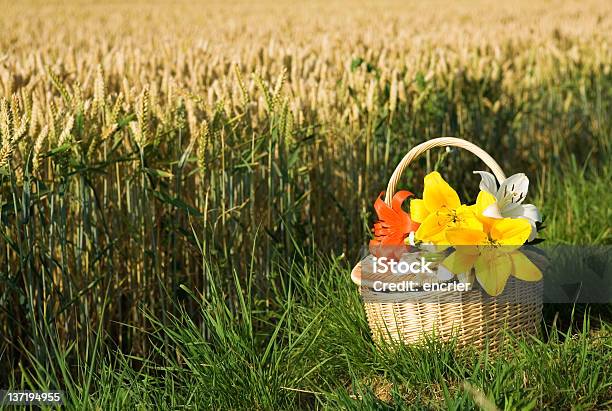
(392, 227)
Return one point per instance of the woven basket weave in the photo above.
(472, 317)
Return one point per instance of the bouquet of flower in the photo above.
(482, 240)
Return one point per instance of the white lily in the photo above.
(509, 198)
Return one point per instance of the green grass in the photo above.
(307, 345)
(313, 350)
(576, 204)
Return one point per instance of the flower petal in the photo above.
(439, 194)
(465, 218)
(515, 187)
(418, 210)
(465, 236)
(510, 231)
(492, 272)
(528, 212)
(492, 211)
(399, 198)
(432, 228)
(383, 211)
(484, 200)
(488, 182)
(393, 224)
(523, 268)
(459, 262)
(521, 210)
(531, 212)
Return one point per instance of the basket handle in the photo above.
(440, 142)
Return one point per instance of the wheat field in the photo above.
(153, 155)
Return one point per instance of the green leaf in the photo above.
(58, 150)
(177, 202)
(159, 173)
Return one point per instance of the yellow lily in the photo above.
(483, 201)
(493, 253)
(439, 210)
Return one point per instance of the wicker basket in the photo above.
(473, 317)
